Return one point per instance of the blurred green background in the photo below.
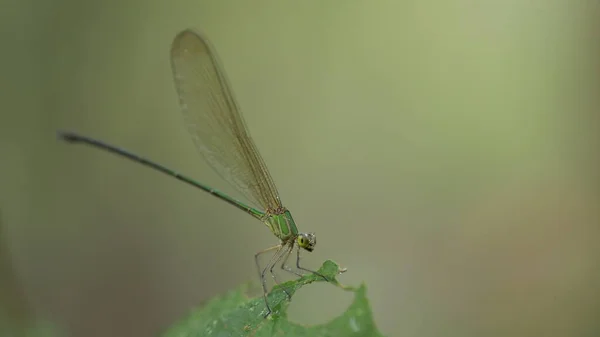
(445, 152)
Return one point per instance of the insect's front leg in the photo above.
(287, 268)
(305, 269)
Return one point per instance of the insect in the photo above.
(218, 130)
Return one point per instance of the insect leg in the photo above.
(262, 274)
(287, 268)
(305, 269)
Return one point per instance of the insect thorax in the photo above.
(282, 225)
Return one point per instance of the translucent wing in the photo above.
(214, 121)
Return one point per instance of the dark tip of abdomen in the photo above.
(66, 136)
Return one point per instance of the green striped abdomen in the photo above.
(282, 225)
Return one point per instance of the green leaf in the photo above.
(234, 314)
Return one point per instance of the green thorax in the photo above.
(282, 225)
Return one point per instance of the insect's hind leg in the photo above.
(286, 253)
(261, 275)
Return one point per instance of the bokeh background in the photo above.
(445, 152)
